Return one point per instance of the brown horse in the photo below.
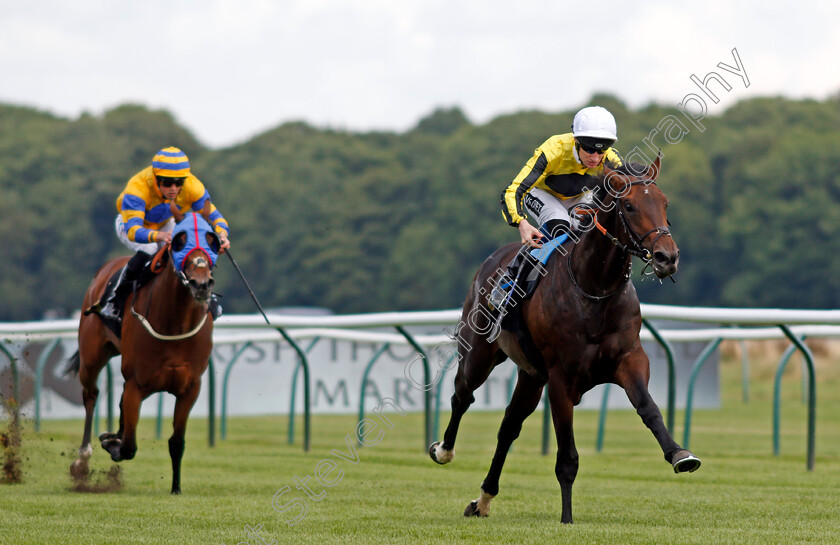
(580, 329)
(165, 342)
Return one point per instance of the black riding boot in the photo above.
(125, 285)
(215, 306)
(509, 289)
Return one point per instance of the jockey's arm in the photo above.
(529, 234)
(163, 237)
(224, 238)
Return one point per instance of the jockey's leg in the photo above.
(125, 285)
(510, 287)
(215, 306)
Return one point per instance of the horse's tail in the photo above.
(73, 364)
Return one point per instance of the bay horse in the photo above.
(579, 329)
(165, 341)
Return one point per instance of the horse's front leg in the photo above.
(109, 435)
(633, 374)
(183, 405)
(566, 466)
(123, 446)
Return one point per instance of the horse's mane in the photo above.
(630, 169)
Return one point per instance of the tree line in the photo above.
(376, 221)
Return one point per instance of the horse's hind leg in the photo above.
(474, 366)
(567, 463)
(526, 397)
(633, 376)
(183, 406)
(79, 467)
(92, 358)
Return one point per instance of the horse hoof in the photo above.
(440, 455)
(472, 510)
(79, 468)
(684, 461)
(106, 436)
(113, 448)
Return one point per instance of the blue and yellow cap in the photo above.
(171, 163)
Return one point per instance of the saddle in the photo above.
(541, 255)
(150, 269)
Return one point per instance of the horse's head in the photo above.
(194, 250)
(642, 210)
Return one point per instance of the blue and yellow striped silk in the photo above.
(144, 210)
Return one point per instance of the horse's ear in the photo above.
(176, 212)
(653, 170)
(179, 241)
(213, 241)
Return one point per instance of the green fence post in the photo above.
(695, 371)
(777, 395)
(546, 422)
(225, 380)
(602, 418)
(110, 396)
(39, 377)
(159, 420)
(436, 423)
(427, 377)
(672, 380)
(211, 403)
(15, 402)
(368, 367)
(812, 394)
(745, 373)
(304, 363)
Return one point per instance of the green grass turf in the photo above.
(626, 494)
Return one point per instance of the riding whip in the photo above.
(242, 276)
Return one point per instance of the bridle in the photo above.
(634, 247)
(182, 277)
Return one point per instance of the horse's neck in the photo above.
(169, 302)
(598, 265)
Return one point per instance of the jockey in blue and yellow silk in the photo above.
(143, 206)
(144, 220)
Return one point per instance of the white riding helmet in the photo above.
(594, 122)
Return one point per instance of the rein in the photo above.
(635, 249)
(156, 335)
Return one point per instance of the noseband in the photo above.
(199, 263)
(635, 247)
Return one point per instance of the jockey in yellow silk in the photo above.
(558, 177)
(144, 221)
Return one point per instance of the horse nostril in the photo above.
(197, 286)
(661, 257)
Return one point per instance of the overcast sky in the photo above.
(229, 69)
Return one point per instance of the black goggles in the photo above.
(587, 149)
(169, 182)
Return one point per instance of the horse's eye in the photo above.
(628, 206)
